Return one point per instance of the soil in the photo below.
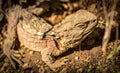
(85, 58)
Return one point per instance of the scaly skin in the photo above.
(36, 34)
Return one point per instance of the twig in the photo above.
(12, 17)
(108, 25)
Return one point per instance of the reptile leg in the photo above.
(46, 56)
(49, 53)
(49, 59)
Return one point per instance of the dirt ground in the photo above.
(85, 58)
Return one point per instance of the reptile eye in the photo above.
(88, 22)
(93, 21)
(81, 25)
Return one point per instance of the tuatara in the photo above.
(38, 35)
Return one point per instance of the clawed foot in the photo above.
(49, 59)
(15, 57)
(58, 63)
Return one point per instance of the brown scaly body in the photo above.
(36, 34)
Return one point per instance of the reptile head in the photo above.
(77, 27)
(82, 19)
(87, 22)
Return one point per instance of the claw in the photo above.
(58, 63)
(17, 60)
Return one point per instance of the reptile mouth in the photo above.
(90, 28)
